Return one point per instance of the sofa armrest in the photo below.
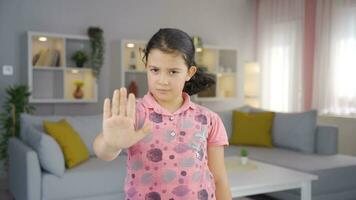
(24, 171)
(326, 140)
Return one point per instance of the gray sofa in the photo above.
(101, 180)
(336, 172)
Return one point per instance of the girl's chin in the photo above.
(162, 95)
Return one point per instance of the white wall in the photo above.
(347, 132)
(223, 23)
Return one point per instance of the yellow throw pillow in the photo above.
(252, 128)
(73, 148)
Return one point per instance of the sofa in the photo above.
(336, 172)
(32, 155)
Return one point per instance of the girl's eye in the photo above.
(154, 70)
(173, 72)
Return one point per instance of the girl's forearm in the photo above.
(103, 150)
(222, 191)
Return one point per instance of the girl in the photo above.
(175, 147)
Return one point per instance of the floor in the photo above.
(5, 194)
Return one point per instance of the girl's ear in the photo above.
(191, 72)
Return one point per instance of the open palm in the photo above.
(119, 120)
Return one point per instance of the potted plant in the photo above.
(16, 102)
(97, 49)
(79, 57)
(244, 156)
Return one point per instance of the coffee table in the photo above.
(258, 178)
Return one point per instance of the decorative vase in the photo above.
(78, 92)
(133, 88)
(244, 160)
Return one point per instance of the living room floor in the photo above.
(5, 194)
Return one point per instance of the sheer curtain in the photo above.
(334, 89)
(280, 43)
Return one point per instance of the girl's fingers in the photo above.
(123, 102)
(131, 106)
(106, 109)
(115, 103)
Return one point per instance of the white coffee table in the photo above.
(259, 178)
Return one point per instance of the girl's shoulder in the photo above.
(202, 110)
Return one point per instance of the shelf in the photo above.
(132, 55)
(52, 72)
(86, 77)
(47, 68)
(208, 59)
(73, 45)
(47, 53)
(47, 84)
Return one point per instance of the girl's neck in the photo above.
(171, 106)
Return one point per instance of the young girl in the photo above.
(175, 147)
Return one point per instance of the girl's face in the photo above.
(167, 74)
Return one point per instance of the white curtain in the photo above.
(334, 89)
(280, 43)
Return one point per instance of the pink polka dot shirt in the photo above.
(171, 162)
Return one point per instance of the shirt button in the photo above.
(173, 133)
(171, 118)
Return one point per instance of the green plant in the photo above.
(16, 102)
(243, 153)
(97, 49)
(79, 57)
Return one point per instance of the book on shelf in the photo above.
(46, 57)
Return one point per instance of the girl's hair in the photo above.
(171, 40)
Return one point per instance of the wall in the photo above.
(229, 23)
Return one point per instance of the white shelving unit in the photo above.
(52, 73)
(220, 62)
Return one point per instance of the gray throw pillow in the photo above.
(88, 127)
(295, 131)
(48, 151)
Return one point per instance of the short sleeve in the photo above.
(217, 135)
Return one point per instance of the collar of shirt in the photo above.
(151, 102)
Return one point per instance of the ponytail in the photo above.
(199, 82)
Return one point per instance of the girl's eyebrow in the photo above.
(152, 66)
(173, 68)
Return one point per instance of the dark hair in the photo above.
(171, 40)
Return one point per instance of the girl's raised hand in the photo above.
(119, 120)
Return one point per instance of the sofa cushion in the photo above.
(27, 120)
(49, 153)
(94, 177)
(88, 128)
(252, 128)
(73, 148)
(226, 116)
(295, 131)
(333, 171)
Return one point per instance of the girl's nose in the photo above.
(163, 79)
